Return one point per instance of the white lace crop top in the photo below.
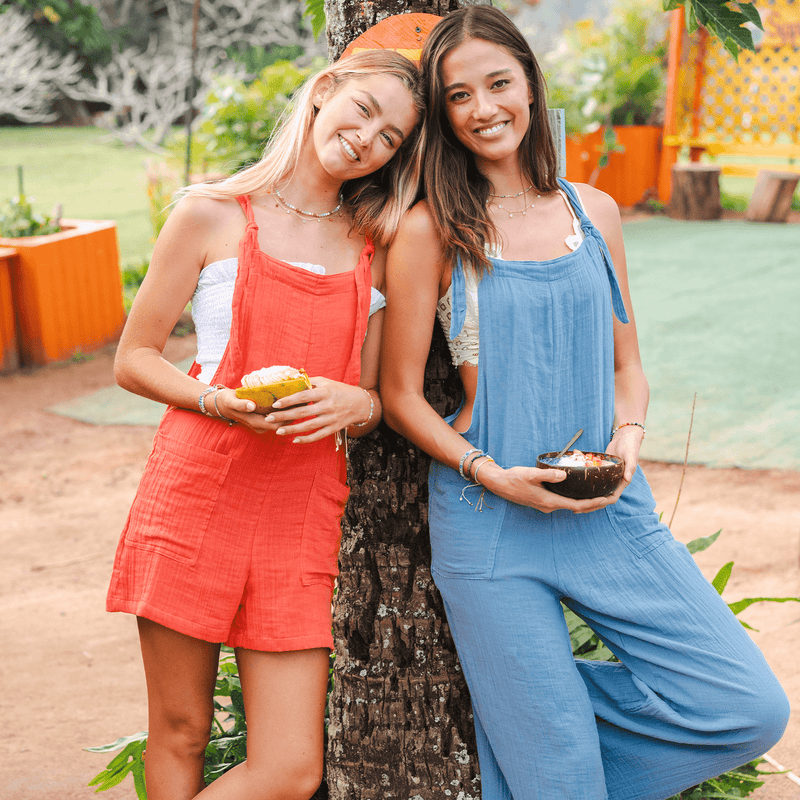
(212, 310)
(465, 346)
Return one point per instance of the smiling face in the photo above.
(360, 125)
(487, 100)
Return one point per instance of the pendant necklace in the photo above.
(518, 194)
(306, 216)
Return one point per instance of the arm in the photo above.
(632, 393)
(179, 255)
(414, 276)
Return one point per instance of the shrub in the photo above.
(18, 219)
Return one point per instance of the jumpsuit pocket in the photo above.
(175, 499)
(322, 530)
(641, 533)
(464, 537)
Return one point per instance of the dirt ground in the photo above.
(72, 676)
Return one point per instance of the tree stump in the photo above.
(772, 197)
(695, 191)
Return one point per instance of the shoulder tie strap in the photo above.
(589, 230)
(363, 282)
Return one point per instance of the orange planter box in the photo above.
(629, 175)
(67, 290)
(9, 352)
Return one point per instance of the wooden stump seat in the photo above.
(695, 191)
(772, 197)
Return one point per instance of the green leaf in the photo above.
(315, 11)
(724, 22)
(722, 577)
(697, 545)
(750, 11)
(741, 605)
(119, 744)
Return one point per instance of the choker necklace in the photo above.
(506, 196)
(306, 215)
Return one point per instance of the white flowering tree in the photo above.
(31, 73)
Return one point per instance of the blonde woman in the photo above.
(233, 535)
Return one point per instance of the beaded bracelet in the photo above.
(478, 468)
(625, 424)
(463, 458)
(371, 409)
(216, 407)
(470, 461)
(201, 402)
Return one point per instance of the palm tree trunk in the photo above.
(400, 715)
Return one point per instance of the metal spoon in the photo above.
(568, 445)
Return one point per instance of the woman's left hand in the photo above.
(626, 444)
(315, 413)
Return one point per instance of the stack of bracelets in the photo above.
(464, 466)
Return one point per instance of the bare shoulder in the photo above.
(204, 213)
(600, 207)
(417, 223)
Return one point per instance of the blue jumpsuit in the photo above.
(692, 696)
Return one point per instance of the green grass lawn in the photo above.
(91, 176)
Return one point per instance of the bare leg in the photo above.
(181, 674)
(284, 697)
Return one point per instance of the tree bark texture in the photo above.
(695, 192)
(400, 716)
(348, 19)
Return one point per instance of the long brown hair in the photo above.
(377, 201)
(456, 190)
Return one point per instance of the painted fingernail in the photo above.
(276, 404)
(270, 418)
(251, 406)
(280, 431)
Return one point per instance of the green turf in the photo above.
(92, 177)
(716, 307)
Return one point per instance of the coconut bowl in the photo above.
(583, 482)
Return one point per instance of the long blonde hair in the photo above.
(377, 201)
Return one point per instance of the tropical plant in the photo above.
(18, 219)
(613, 73)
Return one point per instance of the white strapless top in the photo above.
(212, 311)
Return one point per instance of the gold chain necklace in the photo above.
(512, 213)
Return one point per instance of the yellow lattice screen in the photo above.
(747, 108)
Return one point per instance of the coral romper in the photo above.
(233, 536)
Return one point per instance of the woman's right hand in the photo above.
(237, 409)
(523, 485)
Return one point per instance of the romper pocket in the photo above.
(175, 499)
(464, 537)
(322, 530)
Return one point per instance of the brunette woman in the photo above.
(527, 275)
